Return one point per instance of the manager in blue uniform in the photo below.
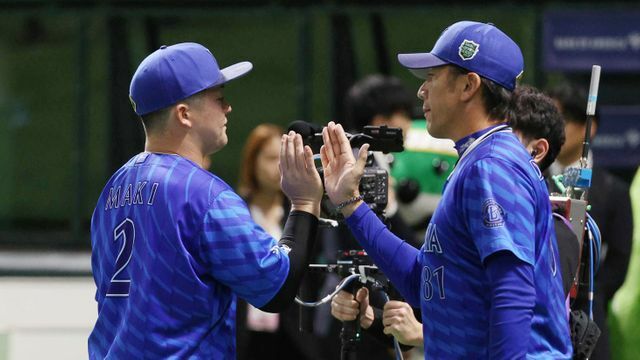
(172, 244)
(487, 278)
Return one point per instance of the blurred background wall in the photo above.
(67, 124)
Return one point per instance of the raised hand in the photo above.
(299, 178)
(342, 172)
(400, 322)
(345, 307)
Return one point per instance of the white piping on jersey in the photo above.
(476, 142)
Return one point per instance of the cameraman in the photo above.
(375, 100)
(380, 100)
(539, 126)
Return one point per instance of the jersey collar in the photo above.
(463, 144)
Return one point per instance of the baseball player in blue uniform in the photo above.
(487, 278)
(172, 244)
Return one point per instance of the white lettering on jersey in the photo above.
(126, 200)
(129, 197)
(431, 243)
(112, 199)
(138, 197)
(154, 188)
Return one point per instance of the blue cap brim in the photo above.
(236, 70)
(417, 63)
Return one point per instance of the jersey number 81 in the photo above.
(429, 278)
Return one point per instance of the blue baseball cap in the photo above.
(173, 73)
(480, 48)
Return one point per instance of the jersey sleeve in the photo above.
(386, 249)
(513, 297)
(498, 209)
(241, 255)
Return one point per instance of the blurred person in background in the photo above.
(380, 100)
(624, 317)
(539, 126)
(610, 206)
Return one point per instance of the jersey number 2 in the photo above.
(120, 283)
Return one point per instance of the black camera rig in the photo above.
(374, 187)
(374, 184)
(356, 270)
(379, 138)
(354, 266)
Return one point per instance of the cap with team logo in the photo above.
(173, 73)
(477, 47)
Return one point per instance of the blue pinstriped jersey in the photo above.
(172, 245)
(495, 200)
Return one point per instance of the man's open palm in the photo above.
(342, 172)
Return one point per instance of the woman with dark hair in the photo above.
(260, 187)
(260, 179)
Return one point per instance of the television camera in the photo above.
(374, 182)
(353, 265)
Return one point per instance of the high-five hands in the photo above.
(299, 178)
(342, 172)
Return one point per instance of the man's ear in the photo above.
(183, 114)
(540, 148)
(471, 85)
